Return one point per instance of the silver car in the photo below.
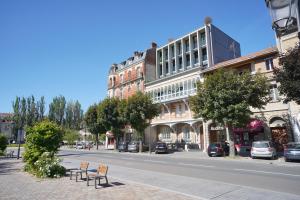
(292, 151)
(263, 149)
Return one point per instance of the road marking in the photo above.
(197, 165)
(155, 161)
(264, 172)
(127, 158)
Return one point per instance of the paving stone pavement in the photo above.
(15, 184)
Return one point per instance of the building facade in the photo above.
(179, 65)
(127, 78)
(6, 126)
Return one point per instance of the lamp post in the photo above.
(285, 16)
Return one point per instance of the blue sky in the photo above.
(65, 47)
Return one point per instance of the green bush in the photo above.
(3, 143)
(42, 142)
(43, 137)
(48, 166)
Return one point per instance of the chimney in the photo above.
(153, 45)
(136, 53)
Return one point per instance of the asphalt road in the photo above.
(219, 177)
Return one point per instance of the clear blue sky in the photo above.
(65, 47)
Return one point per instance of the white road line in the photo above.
(197, 165)
(264, 172)
(155, 161)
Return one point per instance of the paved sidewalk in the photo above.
(18, 185)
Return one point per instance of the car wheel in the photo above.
(286, 159)
(253, 157)
(209, 155)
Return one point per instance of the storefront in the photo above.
(243, 137)
(110, 140)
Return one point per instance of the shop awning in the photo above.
(109, 134)
(254, 125)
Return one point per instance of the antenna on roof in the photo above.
(207, 20)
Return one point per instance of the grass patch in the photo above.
(15, 145)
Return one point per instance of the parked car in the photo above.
(161, 147)
(218, 149)
(292, 151)
(80, 146)
(263, 149)
(123, 146)
(133, 146)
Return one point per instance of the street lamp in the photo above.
(285, 16)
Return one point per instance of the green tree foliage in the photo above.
(110, 115)
(74, 115)
(226, 97)
(71, 136)
(57, 110)
(92, 122)
(289, 75)
(43, 137)
(3, 143)
(139, 111)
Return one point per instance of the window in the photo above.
(166, 54)
(160, 56)
(165, 133)
(195, 42)
(173, 65)
(172, 51)
(188, 62)
(180, 62)
(196, 56)
(179, 48)
(167, 67)
(186, 133)
(129, 88)
(204, 54)
(202, 39)
(160, 69)
(138, 72)
(121, 78)
(138, 86)
(187, 45)
(129, 75)
(269, 64)
(274, 94)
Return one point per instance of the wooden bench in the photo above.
(82, 169)
(101, 173)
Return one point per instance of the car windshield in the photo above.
(260, 145)
(132, 143)
(161, 144)
(293, 146)
(215, 145)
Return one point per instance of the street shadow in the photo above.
(111, 184)
(7, 167)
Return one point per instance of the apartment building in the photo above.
(127, 78)
(6, 126)
(179, 65)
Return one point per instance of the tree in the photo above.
(111, 117)
(139, 111)
(70, 136)
(289, 75)
(3, 143)
(57, 110)
(92, 122)
(226, 97)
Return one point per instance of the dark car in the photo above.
(161, 147)
(292, 151)
(218, 149)
(123, 146)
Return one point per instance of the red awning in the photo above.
(109, 134)
(254, 125)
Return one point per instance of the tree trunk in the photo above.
(230, 141)
(97, 141)
(140, 146)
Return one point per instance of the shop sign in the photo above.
(216, 128)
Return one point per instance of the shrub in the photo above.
(3, 143)
(47, 166)
(43, 137)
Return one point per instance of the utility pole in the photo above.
(19, 146)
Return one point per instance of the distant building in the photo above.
(7, 125)
(127, 78)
